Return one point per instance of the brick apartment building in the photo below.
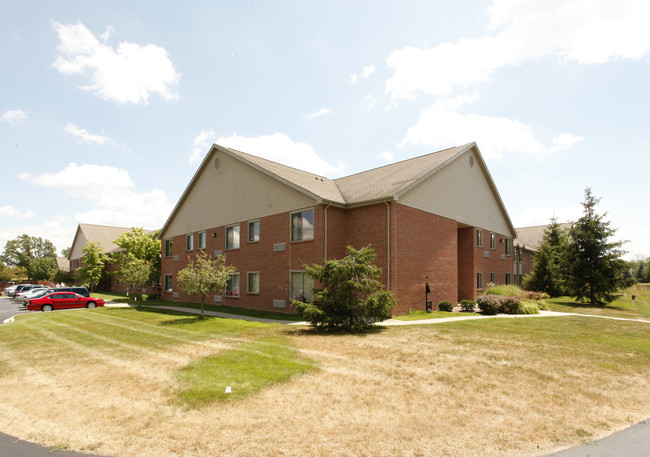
(436, 218)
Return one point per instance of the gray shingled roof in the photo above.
(531, 237)
(105, 234)
(375, 184)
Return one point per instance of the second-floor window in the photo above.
(232, 237)
(479, 237)
(201, 240)
(168, 248)
(189, 242)
(302, 225)
(253, 231)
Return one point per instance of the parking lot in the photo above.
(10, 307)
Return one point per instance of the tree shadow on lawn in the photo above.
(585, 306)
(334, 332)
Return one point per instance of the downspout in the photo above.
(388, 243)
(328, 205)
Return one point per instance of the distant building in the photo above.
(105, 235)
(526, 246)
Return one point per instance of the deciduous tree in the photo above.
(22, 250)
(204, 275)
(136, 272)
(93, 263)
(42, 268)
(139, 245)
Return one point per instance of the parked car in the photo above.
(9, 290)
(20, 288)
(30, 292)
(83, 291)
(61, 300)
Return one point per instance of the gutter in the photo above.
(388, 243)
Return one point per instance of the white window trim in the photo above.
(189, 240)
(171, 289)
(479, 231)
(493, 240)
(205, 240)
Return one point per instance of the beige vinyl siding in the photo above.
(460, 192)
(77, 250)
(232, 193)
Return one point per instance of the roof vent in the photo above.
(471, 161)
(217, 163)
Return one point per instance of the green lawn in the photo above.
(622, 307)
(420, 315)
(122, 298)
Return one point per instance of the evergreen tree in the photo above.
(351, 297)
(594, 267)
(546, 275)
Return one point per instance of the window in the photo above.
(493, 241)
(189, 242)
(253, 231)
(302, 285)
(508, 246)
(253, 282)
(508, 279)
(479, 237)
(168, 248)
(232, 237)
(168, 283)
(479, 280)
(232, 288)
(493, 278)
(302, 225)
(201, 240)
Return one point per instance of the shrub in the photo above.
(445, 306)
(467, 305)
(509, 305)
(489, 304)
(527, 307)
(511, 290)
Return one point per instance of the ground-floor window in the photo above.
(302, 285)
(253, 282)
(493, 278)
(508, 279)
(168, 283)
(232, 288)
(479, 280)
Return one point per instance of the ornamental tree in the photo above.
(594, 268)
(93, 263)
(205, 275)
(140, 245)
(136, 272)
(351, 297)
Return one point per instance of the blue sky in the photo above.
(107, 108)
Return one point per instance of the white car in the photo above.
(10, 290)
(29, 293)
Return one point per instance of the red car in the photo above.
(60, 300)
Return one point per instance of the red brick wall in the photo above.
(273, 266)
(425, 245)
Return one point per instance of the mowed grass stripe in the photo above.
(246, 370)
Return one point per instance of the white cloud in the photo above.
(84, 136)
(201, 144)
(564, 141)
(352, 79)
(443, 126)
(541, 215)
(278, 147)
(584, 31)
(321, 112)
(386, 156)
(371, 100)
(368, 70)
(14, 117)
(109, 191)
(129, 73)
(59, 230)
(10, 211)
